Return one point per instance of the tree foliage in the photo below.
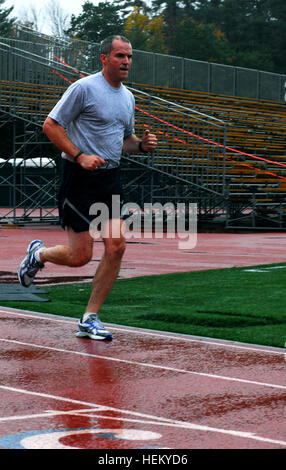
(6, 24)
(145, 32)
(247, 33)
(254, 29)
(96, 22)
(201, 41)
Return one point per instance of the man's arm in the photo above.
(57, 134)
(148, 143)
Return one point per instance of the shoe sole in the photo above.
(22, 265)
(82, 334)
(21, 280)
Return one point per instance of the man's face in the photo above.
(116, 65)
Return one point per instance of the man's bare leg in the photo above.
(77, 253)
(108, 268)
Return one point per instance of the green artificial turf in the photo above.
(239, 304)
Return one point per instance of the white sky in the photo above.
(69, 6)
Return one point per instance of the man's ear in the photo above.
(103, 58)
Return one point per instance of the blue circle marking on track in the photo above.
(13, 441)
(50, 439)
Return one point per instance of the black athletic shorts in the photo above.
(80, 189)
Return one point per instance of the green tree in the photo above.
(202, 42)
(145, 33)
(278, 15)
(156, 40)
(135, 29)
(251, 28)
(255, 30)
(6, 24)
(208, 11)
(96, 22)
(127, 7)
(172, 12)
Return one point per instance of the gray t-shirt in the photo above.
(97, 117)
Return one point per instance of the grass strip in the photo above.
(238, 304)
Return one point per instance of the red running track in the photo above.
(145, 389)
(146, 256)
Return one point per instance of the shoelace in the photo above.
(93, 319)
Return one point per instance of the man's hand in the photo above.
(149, 141)
(90, 162)
(57, 134)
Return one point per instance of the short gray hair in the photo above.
(106, 44)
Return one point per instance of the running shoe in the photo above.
(29, 267)
(93, 328)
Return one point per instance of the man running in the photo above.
(91, 124)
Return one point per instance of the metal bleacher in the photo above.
(211, 152)
(255, 153)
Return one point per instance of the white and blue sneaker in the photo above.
(29, 267)
(93, 328)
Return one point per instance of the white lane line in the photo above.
(47, 414)
(139, 331)
(157, 419)
(144, 364)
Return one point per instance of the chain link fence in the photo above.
(161, 69)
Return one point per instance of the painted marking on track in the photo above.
(158, 420)
(50, 439)
(145, 364)
(138, 331)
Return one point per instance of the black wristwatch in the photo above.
(141, 148)
(76, 157)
